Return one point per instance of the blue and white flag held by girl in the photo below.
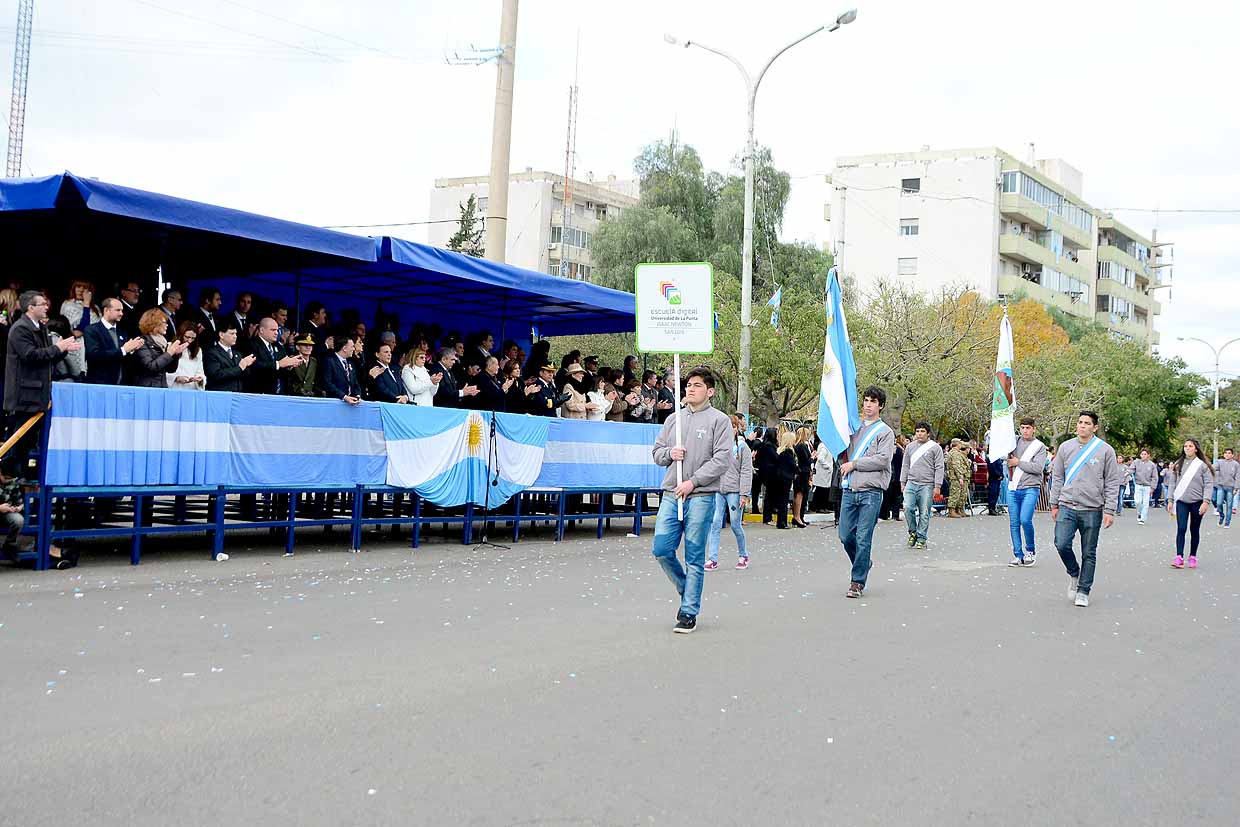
(1003, 401)
(838, 419)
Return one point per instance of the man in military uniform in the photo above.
(300, 380)
(543, 401)
(959, 472)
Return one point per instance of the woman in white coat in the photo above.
(602, 401)
(417, 379)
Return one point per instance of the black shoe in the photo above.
(685, 624)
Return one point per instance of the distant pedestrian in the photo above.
(1085, 481)
(1026, 464)
(732, 498)
(1191, 482)
(921, 477)
(1226, 475)
(866, 474)
(705, 456)
(959, 470)
(1145, 475)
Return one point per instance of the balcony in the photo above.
(1128, 327)
(1010, 285)
(1107, 252)
(1111, 287)
(1016, 206)
(1022, 249)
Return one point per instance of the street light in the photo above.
(751, 87)
(1218, 352)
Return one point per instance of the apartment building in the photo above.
(537, 236)
(984, 218)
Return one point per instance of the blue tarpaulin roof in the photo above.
(61, 227)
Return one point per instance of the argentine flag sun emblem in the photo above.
(473, 436)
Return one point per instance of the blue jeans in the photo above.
(1143, 502)
(1088, 523)
(731, 503)
(917, 497)
(1021, 503)
(858, 514)
(1223, 498)
(694, 527)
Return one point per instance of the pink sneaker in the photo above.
(1178, 562)
(711, 565)
(1192, 562)
(742, 563)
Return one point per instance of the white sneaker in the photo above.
(221, 557)
(1072, 592)
(1082, 599)
(1140, 522)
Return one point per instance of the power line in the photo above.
(235, 30)
(387, 224)
(309, 28)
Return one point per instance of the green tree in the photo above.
(468, 236)
(640, 235)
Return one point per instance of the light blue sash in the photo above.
(875, 429)
(1081, 459)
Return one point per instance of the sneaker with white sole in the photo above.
(1072, 590)
(1016, 562)
(1082, 599)
(685, 624)
(1030, 560)
(221, 557)
(742, 563)
(711, 565)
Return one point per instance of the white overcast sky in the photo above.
(344, 113)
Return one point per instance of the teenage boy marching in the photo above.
(1027, 464)
(866, 475)
(1085, 481)
(706, 455)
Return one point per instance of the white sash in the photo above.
(1030, 450)
(877, 428)
(921, 452)
(1194, 468)
(1081, 459)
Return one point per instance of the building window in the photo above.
(906, 266)
(553, 267)
(908, 226)
(482, 203)
(910, 185)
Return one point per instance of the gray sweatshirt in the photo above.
(871, 472)
(1030, 472)
(707, 436)
(738, 478)
(1096, 485)
(1144, 472)
(928, 469)
(1226, 473)
(1200, 488)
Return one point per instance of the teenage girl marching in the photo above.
(1191, 482)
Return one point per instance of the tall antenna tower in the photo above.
(21, 74)
(570, 167)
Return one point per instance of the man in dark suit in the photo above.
(269, 360)
(30, 356)
(243, 317)
(449, 394)
(207, 319)
(315, 326)
(131, 307)
(223, 364)
(107, 346)
(339, 378)
(385, 385)
(170, 306)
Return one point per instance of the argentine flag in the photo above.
(443, 453)
(838, 419)
(776, 299)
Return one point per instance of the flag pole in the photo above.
(680, 503)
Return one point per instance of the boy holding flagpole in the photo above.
(866, 472)
(1085, 480)
(1026, 465)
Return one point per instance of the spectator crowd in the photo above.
(258, 348)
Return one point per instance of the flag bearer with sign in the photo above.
(688, 505)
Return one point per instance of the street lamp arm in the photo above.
(1225, 344)
(740, 67)
(775, 56)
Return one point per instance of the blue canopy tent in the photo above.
(63, 227)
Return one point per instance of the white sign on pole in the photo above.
(675, 314)
(675, 308)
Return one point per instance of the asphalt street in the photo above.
(543, 685)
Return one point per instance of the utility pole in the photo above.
(501, 135)
(21, 75)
